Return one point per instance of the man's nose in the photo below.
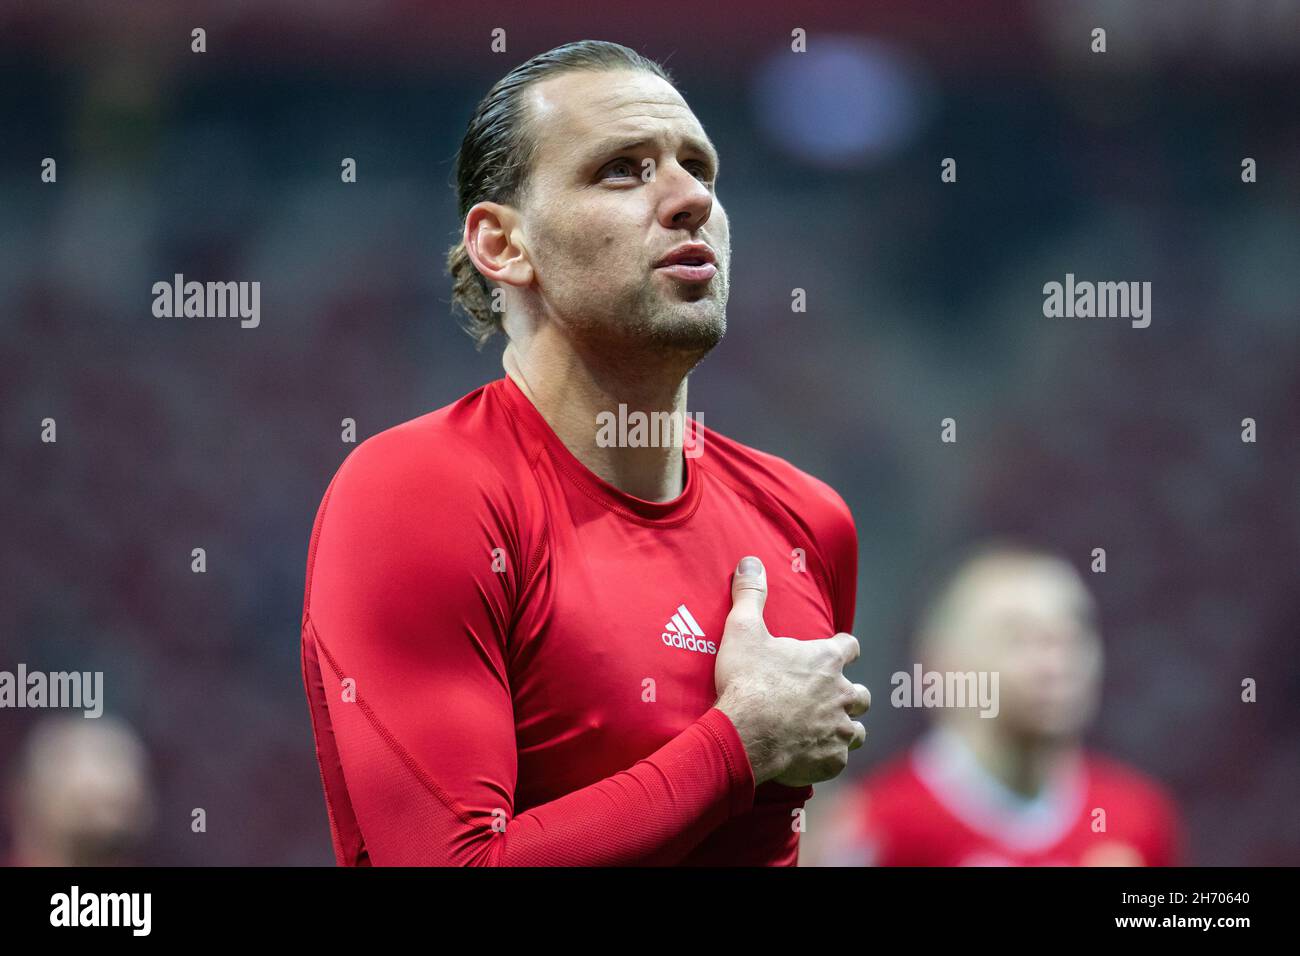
(687, 202)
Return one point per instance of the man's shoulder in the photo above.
(430, 496)
(893, 780)
(1110, 776)
(806, 497)
(464, 447)
(449, 475)
(1142, 809)
(885, 805)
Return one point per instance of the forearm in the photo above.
(654, 813)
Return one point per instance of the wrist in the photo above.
(763, 755)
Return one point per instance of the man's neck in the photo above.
(571, 389)
(1022, 766)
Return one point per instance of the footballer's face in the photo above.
(1033, 623)
(623, 177)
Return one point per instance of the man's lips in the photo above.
(692, 262)
(701, 273)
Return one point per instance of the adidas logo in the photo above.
(683, 631)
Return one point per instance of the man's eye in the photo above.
(619, 169)
(701, 171)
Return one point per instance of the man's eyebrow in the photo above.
(609, 147)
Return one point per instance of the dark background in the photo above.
(925, 301)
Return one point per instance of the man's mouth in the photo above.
(692, 262)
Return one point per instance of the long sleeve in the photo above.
(414, 574)
(837, 539)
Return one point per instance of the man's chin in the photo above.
(689, 327)
(683, 328)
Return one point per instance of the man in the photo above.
(82, 795)
(523, 642)
(1016, 788)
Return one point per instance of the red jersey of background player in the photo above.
(510, 661)
(935, 806)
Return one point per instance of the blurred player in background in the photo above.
(82, 794)
(1018, 788)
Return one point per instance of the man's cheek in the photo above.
(582, 250)
(606, 250)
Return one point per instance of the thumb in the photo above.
(748, 592)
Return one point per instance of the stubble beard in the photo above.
(649, 324)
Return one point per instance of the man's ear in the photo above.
(494, 241)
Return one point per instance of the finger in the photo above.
(859, 736)
(846, 646)
(861, 702)
(748, 591)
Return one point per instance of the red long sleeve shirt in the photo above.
(936, 806)
(509, 661)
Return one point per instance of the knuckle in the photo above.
(859, 736)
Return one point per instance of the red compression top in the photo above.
(509, 661)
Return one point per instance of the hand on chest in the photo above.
(631, 622)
